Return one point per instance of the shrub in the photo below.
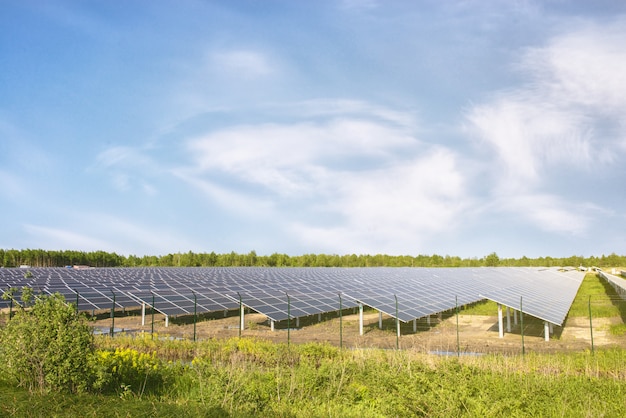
(127, 371)
(47, 347)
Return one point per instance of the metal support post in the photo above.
(591, 326)
(288, 319)
(152, 329)
(241, 315)
(340, 322)
(508, 319)
(458, 343)
(113, 314)
(195, 313)
(500, 324)
(360, 318)
(521, 319)
(397, 324)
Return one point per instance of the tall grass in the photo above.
(246, 377)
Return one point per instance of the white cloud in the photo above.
(569, 114)
(245, 63)
(92, 231)
(368, 181)
(578, 87)
(583, 67)
(232, 200)
(56, 238)
(551, 213)
(528, 135)
(289, 159)
(128, 168)
(392, 209)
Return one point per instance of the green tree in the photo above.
(492, 260)
(48, 347)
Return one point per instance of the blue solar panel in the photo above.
(419, 292)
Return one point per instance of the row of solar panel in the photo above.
(408, 293)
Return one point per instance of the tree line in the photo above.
(61, 258)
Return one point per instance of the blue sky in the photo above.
(356, 126)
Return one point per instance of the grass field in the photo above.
(255, 378)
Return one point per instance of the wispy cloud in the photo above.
(11, 186)
(93, 231)
(59, 239)
(242, 63)
(128, 168)
(367, 179)
(568, 114)
(391, 208)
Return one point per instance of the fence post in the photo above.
(288, 319)
(10, 302)
(458, 343)
(152, 327)
(521, 316)
(340, 323)
(113, 314)
(240, 315)
(591, 326)
(195, 310)
(397, 324)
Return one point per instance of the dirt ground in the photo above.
(476, 334)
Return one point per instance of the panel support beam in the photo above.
(271, 324)
(415, 325)
(546, 330)
(508, 319)
(500, 322)
(360, 319)
(143, 314)
(380, 320)
(242, 320)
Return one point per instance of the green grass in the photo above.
(605, 303)
(618, 330)
(256, 378)
(485, 307)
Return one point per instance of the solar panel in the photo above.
(280, 293)
(618, 283)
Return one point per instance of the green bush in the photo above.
(127, 372)
(47, 347)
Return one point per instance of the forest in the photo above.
(61, 258)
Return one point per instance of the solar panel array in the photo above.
(618, 283)
(546, 294)
(279, 293)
